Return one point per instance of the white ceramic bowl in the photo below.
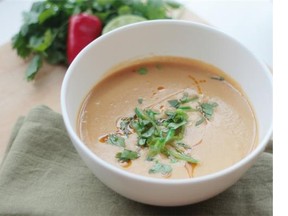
(174, 38)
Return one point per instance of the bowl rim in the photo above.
(84, 148)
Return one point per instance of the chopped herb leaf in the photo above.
(125, 125)
(157, 134)
(173, 159)
(146, 118)
(142, 71)
(219, 78)
(127, 155)
(148, 133)
(173, 4)
(185, 99)
(164, 169)
(33, 67)
(141, 141)
(140, 100)
(176, 125)
(170, 114)
(183, 145)
(174, 103)
(200, 121)
(207, 109)
(115, 139)
(187, 108)
(182, 156)
(158, 66)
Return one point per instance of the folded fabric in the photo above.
(42, 174)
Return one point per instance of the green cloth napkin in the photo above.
(42, 174)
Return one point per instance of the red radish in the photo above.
(83, 28)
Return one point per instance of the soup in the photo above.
(168, 117)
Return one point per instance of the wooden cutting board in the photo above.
(17, 96)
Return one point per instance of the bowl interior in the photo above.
(169, 38)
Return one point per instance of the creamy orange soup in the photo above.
(168, 117)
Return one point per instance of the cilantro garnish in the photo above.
(200, 121)
(142, 71)
(140, 100)
(182, 156)
(164, 169)
(183, 145)
(162, 133)
(127, 155)
(125, 126)
(219, 78)
(185, 99)
(207, 110)
(115, 139)
(174, 103)
(159, 136)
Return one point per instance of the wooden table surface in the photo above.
(17, 96)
